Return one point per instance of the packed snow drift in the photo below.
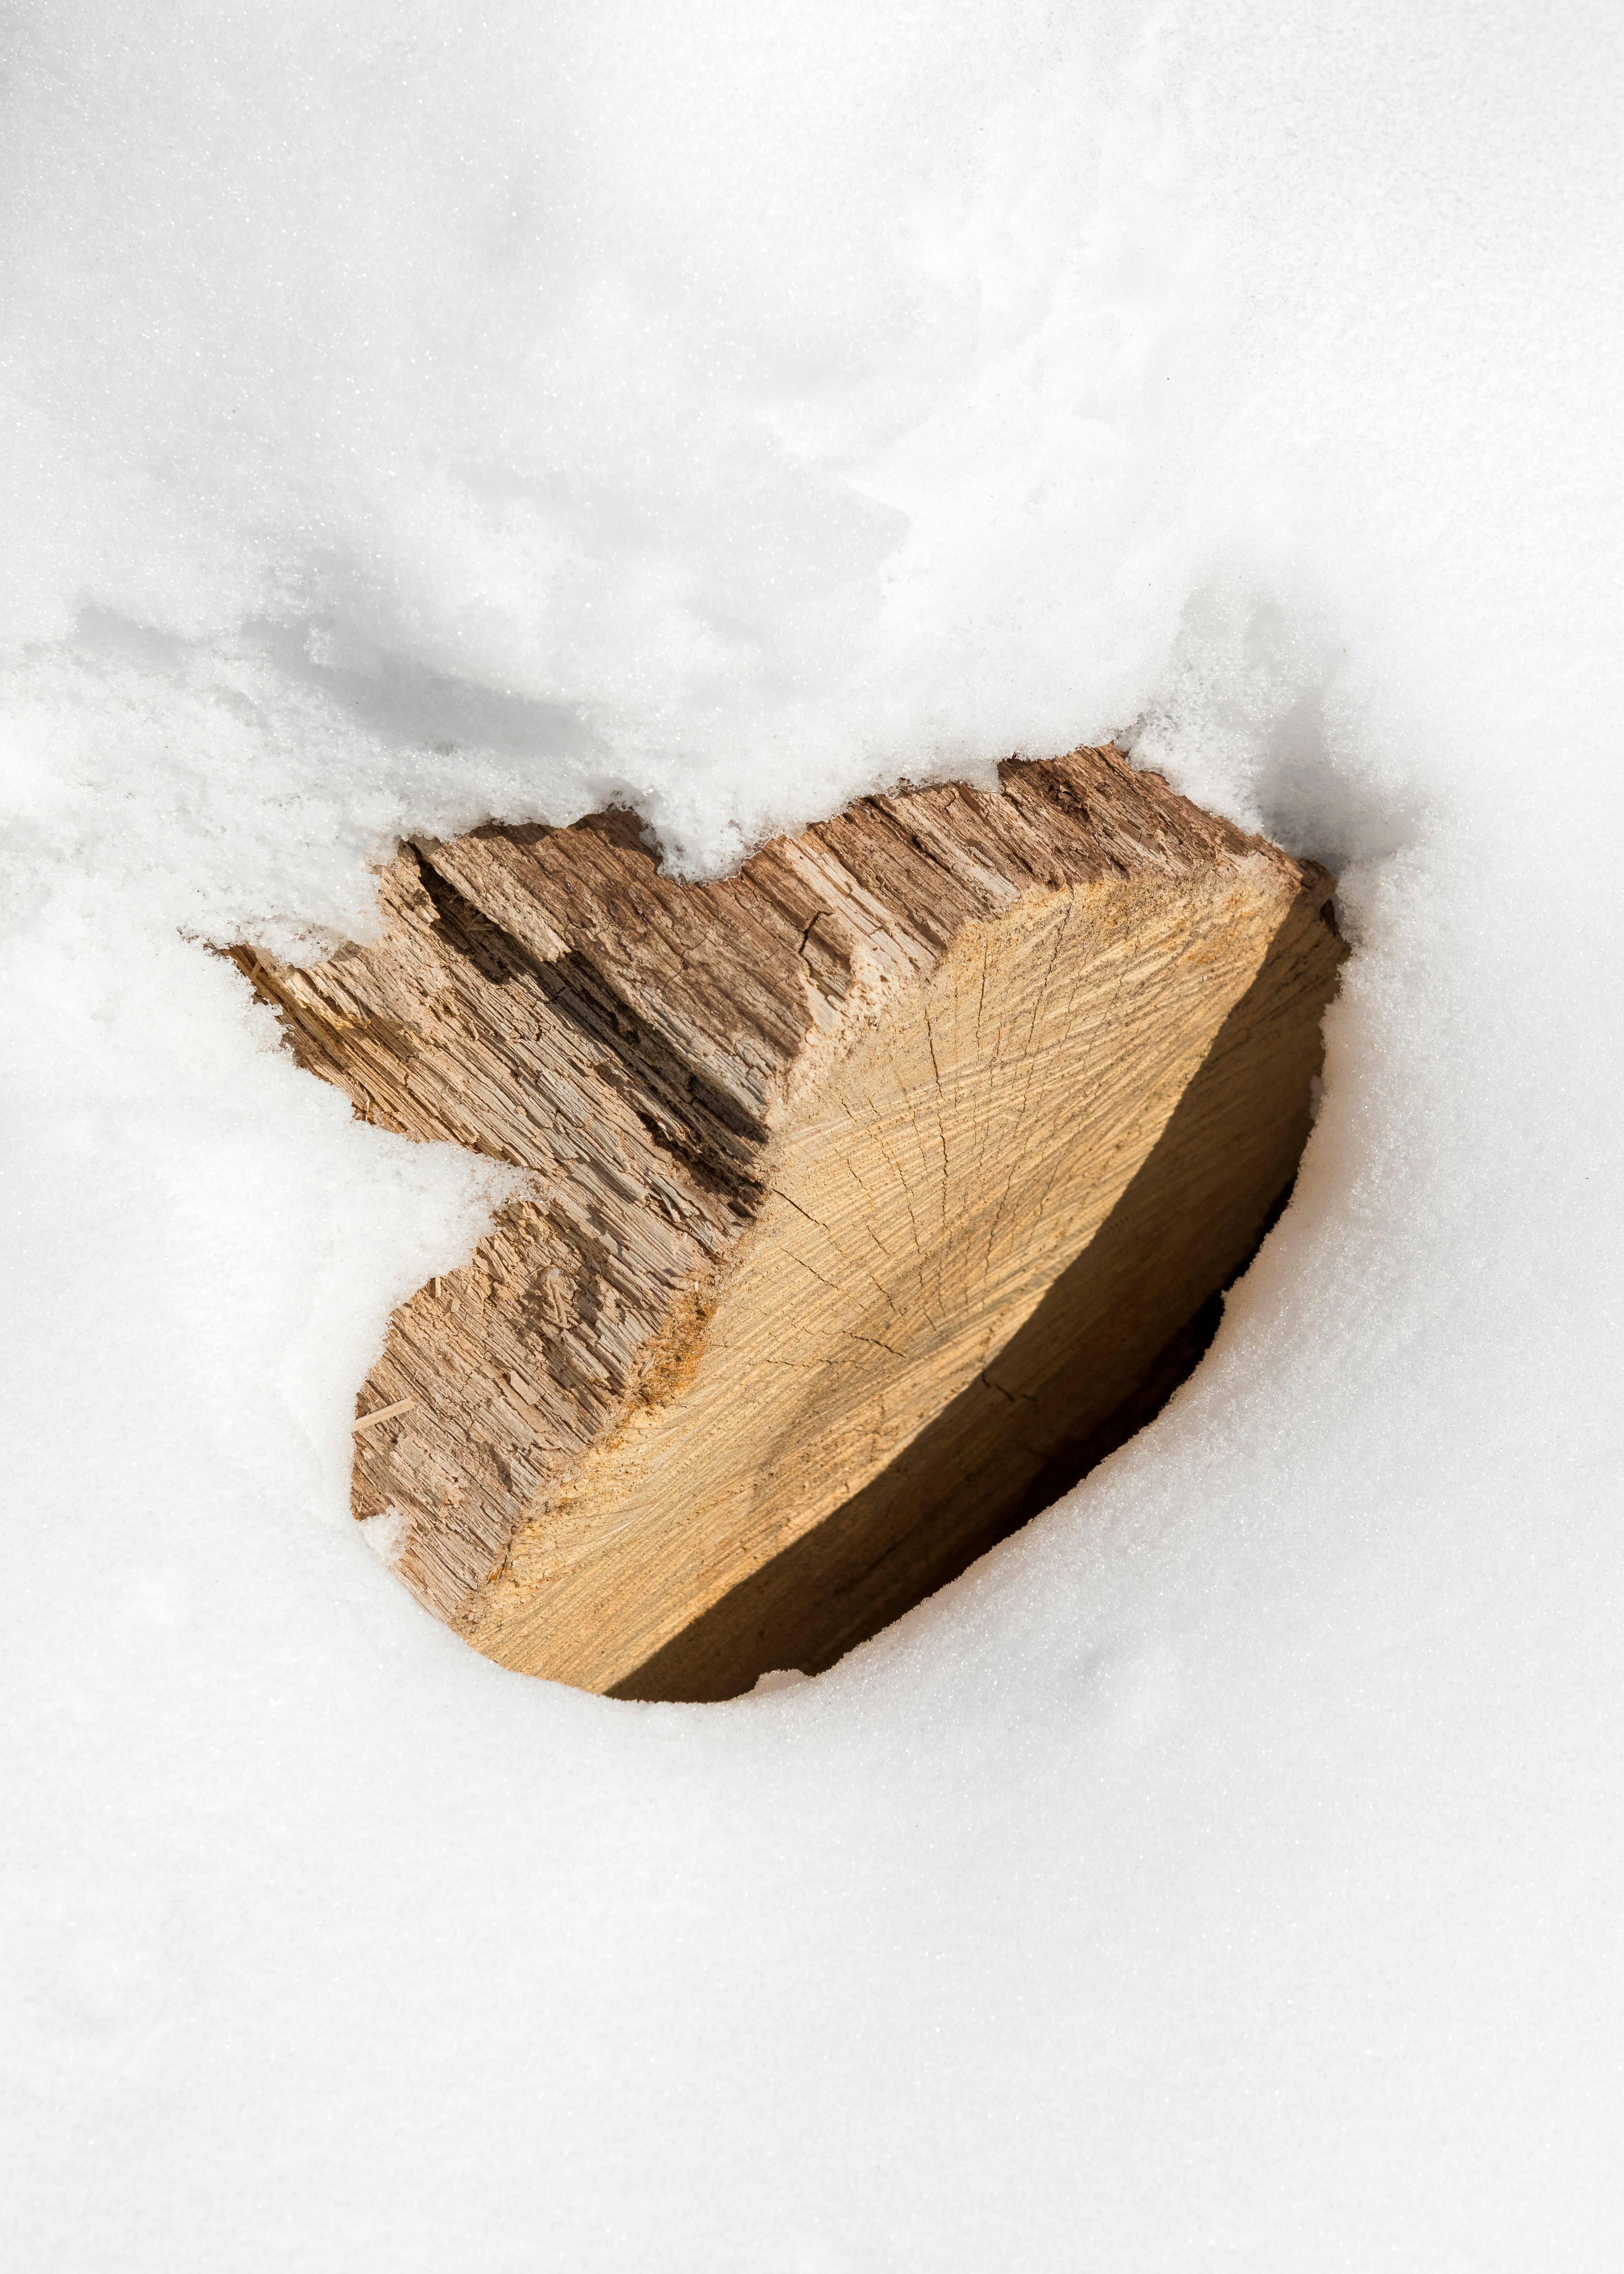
(414, 415)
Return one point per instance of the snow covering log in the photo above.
(861, 1183)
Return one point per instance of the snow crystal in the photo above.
(778, 1678)
(415, 415)
(385, 1533)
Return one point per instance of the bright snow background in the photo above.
(417, 411)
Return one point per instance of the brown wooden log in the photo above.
(861, 1182)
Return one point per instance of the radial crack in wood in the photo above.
(862, 1183)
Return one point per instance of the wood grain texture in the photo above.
(860, 1181)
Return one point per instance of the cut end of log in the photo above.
(868, 1186)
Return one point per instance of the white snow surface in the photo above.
(419, 412)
